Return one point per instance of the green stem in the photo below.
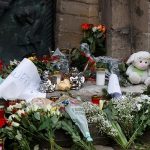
(120, 138)
(24, 144)
(34, 134)
(133, 137)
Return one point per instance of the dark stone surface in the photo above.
(26, 26)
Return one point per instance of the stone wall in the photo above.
(141, 24)
(70, 15)
(127, 22)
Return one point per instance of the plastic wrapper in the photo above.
(85, 50)
(77, 114)
(111, 63)
(59, 61)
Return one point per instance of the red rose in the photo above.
(2, 122)
(86, 26)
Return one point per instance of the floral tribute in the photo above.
(94, 36)
(123, 120)
(30, 126)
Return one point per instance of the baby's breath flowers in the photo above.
(98, 117)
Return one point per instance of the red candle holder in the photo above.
(95, 99)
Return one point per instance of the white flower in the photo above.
(20, 112)
(34, 107)
(14, 62)
(13, 116)
(94, 29)
(36, 147)
(144, 97)
(58, 112)
(22, 102)
(47, 107)
(28, 109)
(146, 111)
(10, 108)
(18, 105)
(15, 124)
(139, 106)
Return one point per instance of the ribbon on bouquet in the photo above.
(85, 51)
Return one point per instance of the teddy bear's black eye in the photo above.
(146, 62)
(140, 61)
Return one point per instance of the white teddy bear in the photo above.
(139, 68)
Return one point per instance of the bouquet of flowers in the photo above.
(30, 125)
(94, 36)
(123, 120)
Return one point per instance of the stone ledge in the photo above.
(89, 89)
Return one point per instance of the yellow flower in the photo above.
(32, 58)
(55, 110)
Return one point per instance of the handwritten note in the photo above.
(22, 83)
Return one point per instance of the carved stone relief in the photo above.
(26, 26)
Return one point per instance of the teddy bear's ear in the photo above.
(131, 59)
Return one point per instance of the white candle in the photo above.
(100, 76)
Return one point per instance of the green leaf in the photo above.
(44, 125)
(32, 127)
(143, 117)
(91, 39)
(99, 35)
(54, 120)
(58, 125)
(37, 115)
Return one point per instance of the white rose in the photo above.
(94, 29)
(10, 108)
(28, 109)
(20, 112)
(47, 107)
(18, 105)
(22, 102)
(13, 116)
(15, 124)
(34, 107)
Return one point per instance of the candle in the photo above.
(95, 99)
(100, 76)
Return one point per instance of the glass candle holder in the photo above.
(100, 76)
(95, 99)
(57, 74)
